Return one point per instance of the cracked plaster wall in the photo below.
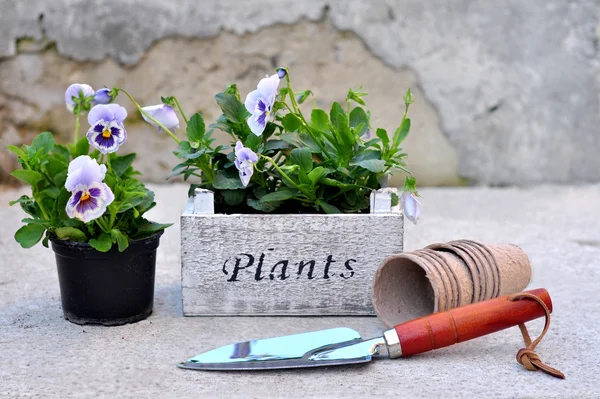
(507, 91)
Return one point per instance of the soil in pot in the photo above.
(108, 288)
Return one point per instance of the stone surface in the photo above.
(514, 88)
(43, 355)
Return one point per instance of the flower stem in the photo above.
(302, 119)
(281, 172)
(308, 195)
(163, 127)
(180, 110)
(76, 134)
(108, 162)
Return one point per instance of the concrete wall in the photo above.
(508, 92)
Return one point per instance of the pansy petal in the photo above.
(251, 101)
(119, 112)
(246, 170)
(238, 146)
(268, 88)
(84, 170)
(100, 112)
(246, 155)
(257, 124)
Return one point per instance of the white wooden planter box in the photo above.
(301, 264)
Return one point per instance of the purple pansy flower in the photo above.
(102, 96)
(163, 113)
(412, 206)
(245, 159)
(90, 196)
(74, 91)
(89, 202)
(260, 104)
(107, 132)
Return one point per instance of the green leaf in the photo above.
(303, 158)
(277, 145)
(61, 152)
(60, 204)
(71, 234)
(319, 119)
(327, 208)
(54, 166)
(253, 141)
(395, 199)
(382, 134)
(266, 207)
(366, 154)
(120, 238)
(28, 205)
(301, 140)
(121, 164)
(232, 108)
(81, 148)
(336, 110)
(372, 165)
(147, 202)
(30, 177)
(29, 235)
(147, 228)
(341, 124)
(401, 132)
(317, 174)
(51, 192)
(280, 195)
(291, 122)
(221, 124)
(233, 197)
(357, 117)
(195, 128)
(227, 180)
(60, 178)
(103, 243)
(44, 142)
(19, 152)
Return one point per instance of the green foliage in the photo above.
(44, 168)
(328, 162)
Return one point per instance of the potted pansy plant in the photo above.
(88, 204)
(290, 201)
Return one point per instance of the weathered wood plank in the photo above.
(284, 264)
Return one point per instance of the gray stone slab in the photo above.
(43, 355)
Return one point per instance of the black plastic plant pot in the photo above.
(108, 288)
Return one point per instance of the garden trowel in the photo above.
(339, 346)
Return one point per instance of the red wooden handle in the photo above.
(462, 324)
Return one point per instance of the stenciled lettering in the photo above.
(237, 267)
(279, 269)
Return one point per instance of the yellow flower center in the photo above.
(106, 133)
(84, 197)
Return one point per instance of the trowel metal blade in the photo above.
(332, 347)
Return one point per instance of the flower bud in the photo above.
(165, 114)
(102, 96)
(412, 206)
(281, 72)
(78, 95)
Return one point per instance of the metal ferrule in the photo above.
(393, 343)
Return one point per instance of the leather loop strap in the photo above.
(527, 356)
